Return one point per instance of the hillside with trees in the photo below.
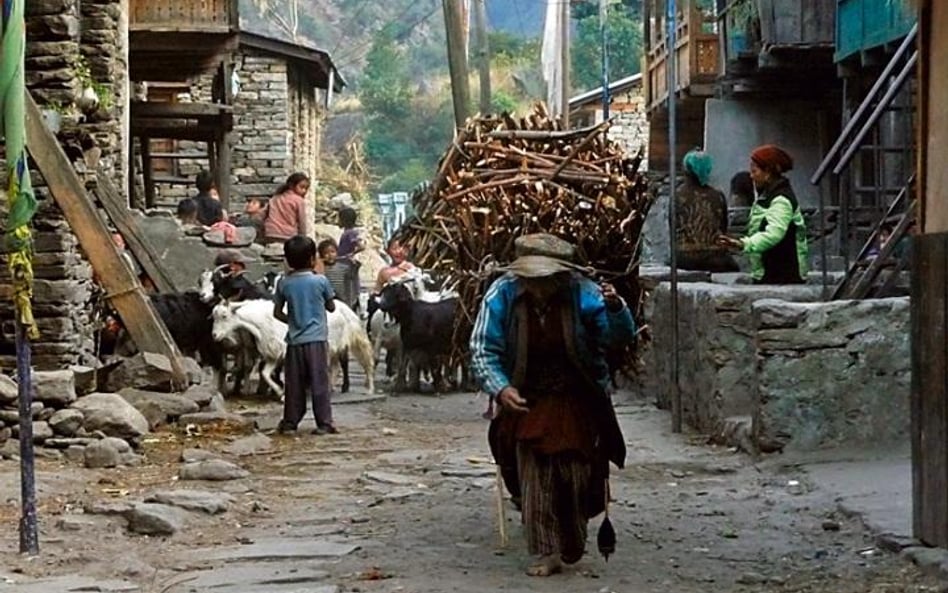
(395, 116)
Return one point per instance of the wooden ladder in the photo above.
(859, 284)
(122, 287)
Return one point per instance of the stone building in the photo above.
(626, 109)
(279, 95)
(76, 70)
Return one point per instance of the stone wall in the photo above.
(717, 354)
(829, 374)
(104, 47)
(61, 36)
(262, 153)
(63, 297)
(276, 129)
(630, 127)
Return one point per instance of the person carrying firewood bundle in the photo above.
(701, 213)
(538, 347)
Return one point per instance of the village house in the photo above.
(626, 110)
(774, 367)
(252, 113)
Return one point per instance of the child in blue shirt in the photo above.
(308, 296)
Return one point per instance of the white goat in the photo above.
(256, 317)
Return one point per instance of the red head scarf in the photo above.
(772, 158)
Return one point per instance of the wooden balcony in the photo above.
(776, 34)
(205, 16)
(696, 50)
(866, 25)
(175, 40)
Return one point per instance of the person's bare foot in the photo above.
(546, 566)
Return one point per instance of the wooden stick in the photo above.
(501, 510)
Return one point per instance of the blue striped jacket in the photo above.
(493, 339)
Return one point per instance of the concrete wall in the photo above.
(832, 373)
(735, 127)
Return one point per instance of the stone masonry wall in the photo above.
(830, 374)
(262, 153)
(630, 127)
(58, 33)
(104, 47)
(717, 354)
(276, 131)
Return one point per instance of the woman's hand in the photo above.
(613, 301)
(510, 398)
(729, 242)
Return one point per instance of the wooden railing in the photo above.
(183, 15)
(696, 50)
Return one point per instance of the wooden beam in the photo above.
(122, 287)
(126, 224)
(178, 110)
(148, 172)
(929, 389)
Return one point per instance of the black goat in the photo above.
(188, 319)
(426, 331)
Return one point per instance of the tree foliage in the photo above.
(406, 131)
(623, 42)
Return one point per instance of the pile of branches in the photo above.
(505, 177)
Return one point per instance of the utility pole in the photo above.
(671, 22)
(604, 38)
(564, 59)
(483, 54)
(457, 60)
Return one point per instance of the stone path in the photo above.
(404, 501)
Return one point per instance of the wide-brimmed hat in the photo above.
(540, 255)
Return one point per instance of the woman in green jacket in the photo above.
(776, 235)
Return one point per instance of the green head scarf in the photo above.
(698, 163)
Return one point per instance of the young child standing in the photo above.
(307, 296)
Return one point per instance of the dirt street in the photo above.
(404, 500)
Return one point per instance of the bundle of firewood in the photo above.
(505, 177)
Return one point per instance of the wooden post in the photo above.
(126, 224)
(564, 61)
(122, 287)
(225, 139)
(457, 62)
(929, 400)
(148, 172)
(483, 55)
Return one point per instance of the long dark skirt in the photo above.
(555, 493)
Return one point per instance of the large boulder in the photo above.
(112, 415)
(200, 394)
(55, 388)
(66, 422)
(8, 390)
(85, 379)
(145, 370)
(155, 519)
(102, 453)
(41, 431)
(170, 406)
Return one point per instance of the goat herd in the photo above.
(231, 318)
